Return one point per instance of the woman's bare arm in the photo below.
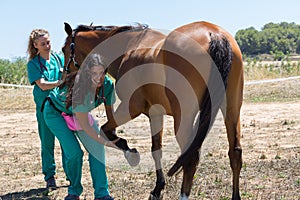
(82, 118)
(46, 85)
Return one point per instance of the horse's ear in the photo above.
(68, 28)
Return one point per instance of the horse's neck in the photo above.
(117, 46)
(113, 68)
(126, 43)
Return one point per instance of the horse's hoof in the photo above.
(133, 157)
(183, 197)
(152, 197)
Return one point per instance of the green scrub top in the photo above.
(58, 96)
(38, 68)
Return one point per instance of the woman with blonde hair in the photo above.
(44, 72)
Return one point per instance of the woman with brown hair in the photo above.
(81, 92)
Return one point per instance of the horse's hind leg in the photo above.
(235, 153)
(185, 134)
(156, 125)
(232, 122)
(157, 155)
(189, 170)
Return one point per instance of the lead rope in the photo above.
(100, 115)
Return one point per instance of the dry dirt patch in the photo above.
(271, 154)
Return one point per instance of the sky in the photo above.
(19, 17)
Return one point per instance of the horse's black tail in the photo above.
(221, 53)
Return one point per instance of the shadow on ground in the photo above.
(33, 194)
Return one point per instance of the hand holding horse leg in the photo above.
(132, 155)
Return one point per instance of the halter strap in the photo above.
(102, 97)
(72, 54)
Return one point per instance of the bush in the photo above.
(14, 72)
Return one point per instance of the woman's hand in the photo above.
(83, 120)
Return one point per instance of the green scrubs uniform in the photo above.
(71, 145)
(38, 68)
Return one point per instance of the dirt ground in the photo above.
(271, 155)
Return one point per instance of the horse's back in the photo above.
(186, 51)
(235, 83)
(202, 31)
(190, 43)
(141, 49)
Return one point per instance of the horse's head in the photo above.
(81, 41)
(104, 40)
(73, 58)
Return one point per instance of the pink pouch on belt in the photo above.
(72, 122)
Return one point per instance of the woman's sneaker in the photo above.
(51, 184)
(71, 197)
(105, 198)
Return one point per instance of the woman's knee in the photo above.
(74, 155)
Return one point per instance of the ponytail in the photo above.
(34, 35)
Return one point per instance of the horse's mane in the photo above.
(85, 28)
(112, 29)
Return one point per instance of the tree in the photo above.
(248, 41)
(282, 38)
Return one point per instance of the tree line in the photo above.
(14, 72)
(275, 39)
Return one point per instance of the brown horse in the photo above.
(193, 71)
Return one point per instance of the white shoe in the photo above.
(133, 157)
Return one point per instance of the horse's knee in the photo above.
(109, 134)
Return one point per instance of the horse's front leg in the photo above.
(115, 119)
(156, 124)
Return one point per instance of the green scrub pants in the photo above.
(73, 154)
(47, 147)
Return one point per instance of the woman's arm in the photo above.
(46, 85)
(132, 155)
(109, 114)
(82, 118)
